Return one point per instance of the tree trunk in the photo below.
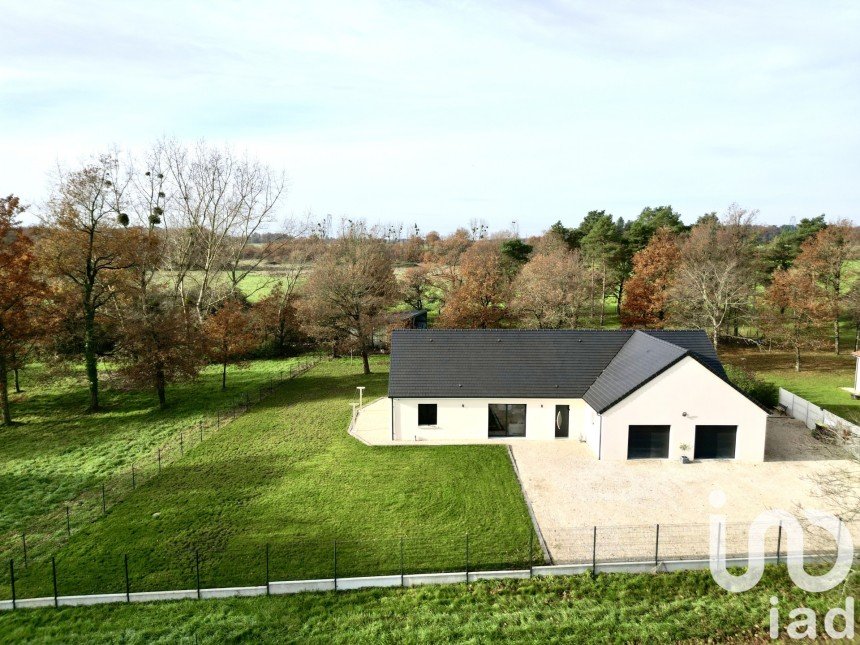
(4, 391)
(224, 376)
(796, 358)
(836, 335)
(620, 294)
(91, 360)
(160, 388)
(715, 336)
(603, 297)
(856, 335)
(17, 382)
(365, 360)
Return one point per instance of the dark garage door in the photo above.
(648, 442)
(715, 442)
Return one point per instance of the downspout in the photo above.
(600, 437)
(392, 419)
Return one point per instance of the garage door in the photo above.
(715, 442)
(648, 442)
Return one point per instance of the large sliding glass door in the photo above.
(507, 420)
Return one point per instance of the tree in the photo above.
(784, 248)
(646, 296)
(480, 299)
(83, 246)
(230, 336)
(823, 257)
(552, 290)
(416, 283)
(215, 202)
(277, 318)
(650, 220)
(19, 294)
(516, 253)
(349, 291)
(794, 312)
(601, 245)
(712, 282)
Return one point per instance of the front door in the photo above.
(562, 414)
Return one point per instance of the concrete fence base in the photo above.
(347, 584)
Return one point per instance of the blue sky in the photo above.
(438, 112)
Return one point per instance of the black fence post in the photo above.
(197, 570)
(104, 501)
(657, 547)
(267, 569)
(335, 565)
(467, 558)
(12, 580)
(133, 482)
(218, 420)
(594, 553)
(24, 542)
(201, 432)
(181, 444)
(54, 576)
(159, 461)
(778, 542)
(68, 523)
(127, 585)
(401, 562)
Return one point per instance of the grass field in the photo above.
(614, 608)
(819, 381)
(58, 450)
(287, 474)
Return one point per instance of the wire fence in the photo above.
(245, 563)
(46, 533)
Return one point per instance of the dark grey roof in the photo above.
(602, 366)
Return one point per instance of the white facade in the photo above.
(684, 396)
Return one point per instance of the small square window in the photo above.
(426, 414)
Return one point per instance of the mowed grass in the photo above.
(613, 608)
(819, 381)
(57, 450)
(287, 474)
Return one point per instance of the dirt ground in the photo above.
(571, 492)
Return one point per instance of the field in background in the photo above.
(57, 450)
(685, 606)
(287, 474)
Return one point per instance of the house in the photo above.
(626, 394)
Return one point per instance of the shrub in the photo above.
(764, 393)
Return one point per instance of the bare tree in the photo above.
(711, 282)
(217, 201)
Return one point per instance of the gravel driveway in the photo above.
(571, 492)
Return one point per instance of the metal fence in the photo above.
(248, 567)
(44, 534)
(839, 429)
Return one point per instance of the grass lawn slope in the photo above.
(287, 474)
(614, 608)
(57, 449)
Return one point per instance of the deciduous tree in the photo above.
(552, 290)
(480, 299)
(349, 290)
(20, 292)
(83, 245)
(230, 336)
(646, 297)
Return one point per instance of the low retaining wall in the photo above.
(346, 584)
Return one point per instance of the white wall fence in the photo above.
(401, 580)
(812, 415)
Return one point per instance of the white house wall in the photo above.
(687, 387)
(465, 420)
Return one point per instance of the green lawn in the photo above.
(59, 450)
(615, 608)
(288, 474)
(819, 381)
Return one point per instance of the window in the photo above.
(426, 414)
(648, 442)
(715, 442)
(507, 420)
